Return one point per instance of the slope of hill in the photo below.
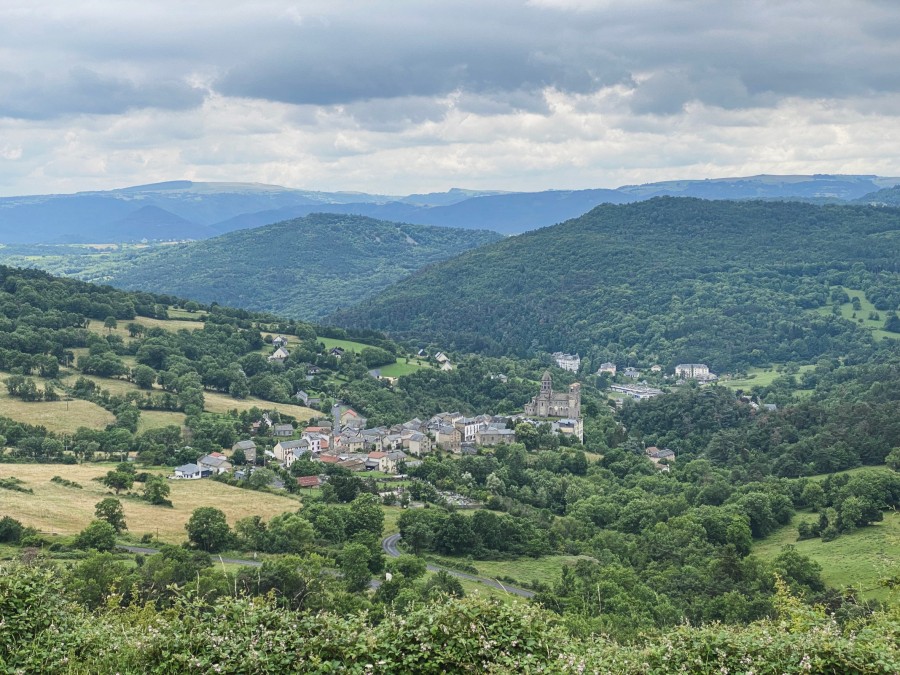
(304, 268)
(668, 280)
(884, 197)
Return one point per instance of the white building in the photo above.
(570, 362)
(694, 371)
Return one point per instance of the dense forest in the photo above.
(303, 268)
(730, 284)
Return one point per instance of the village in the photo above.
(344, 439)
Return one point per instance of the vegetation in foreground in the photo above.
(43, 630)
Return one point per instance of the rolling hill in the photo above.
(304, 268)
(731, 284)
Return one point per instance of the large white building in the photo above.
(694, 371)
(570, 362)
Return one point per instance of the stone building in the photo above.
(549, 403)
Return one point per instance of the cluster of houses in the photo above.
(683, 371)
(351, 444)
(209, 465)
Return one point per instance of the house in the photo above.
(447, 437)
(446, 366)
(441, 357)
(607, 367)
(249, 449)
(288, 452)
(313, 370)
(308, 481)
(571, 362)
(351, 418)
(489, 434)
(658, 456)
(467, 427)
(317, 442)
(656, 368)
(278, 356)
(416, 443)
(353, 463)
(337, 352)
(280, 341)
(283, 431)
(422, 354)
(215, 462)
(302, 397)
(189, 472)
(379, 460)
(631, 373)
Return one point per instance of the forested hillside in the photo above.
(731, 284)
(303, 268)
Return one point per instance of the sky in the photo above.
(406, 96)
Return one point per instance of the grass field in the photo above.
(759, 377)
(154, 419)
(56, 416)
(858, 558)
(222, 403)
(545, 569)
(173, 325)
(397, 369)
(57, 509)
(862, 315)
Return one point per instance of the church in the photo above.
(549, 403)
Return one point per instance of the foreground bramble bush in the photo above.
(40, 631)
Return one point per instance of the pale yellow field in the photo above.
(154, 419)
(222, 403)
(96, 325)
(63, 510)
(56, 416)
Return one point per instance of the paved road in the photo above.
(389, 546)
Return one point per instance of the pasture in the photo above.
(56, 509)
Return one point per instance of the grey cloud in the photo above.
(493, 56)
(82, 90)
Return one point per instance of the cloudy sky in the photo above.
(401, 96)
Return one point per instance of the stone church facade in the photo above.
(549, 403)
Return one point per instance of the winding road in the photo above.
(389, 546)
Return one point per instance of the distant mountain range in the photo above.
(183, 210)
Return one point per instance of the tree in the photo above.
(156, 491)
(289, 533)
(110, 509)
(410, 566)
(110, 324)
(527, 434)
(893, 459)
(134, 329)
(365, 515)
(118, 480)
(99, 535)
(143, 376)
(353, 563)
(207, 529)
